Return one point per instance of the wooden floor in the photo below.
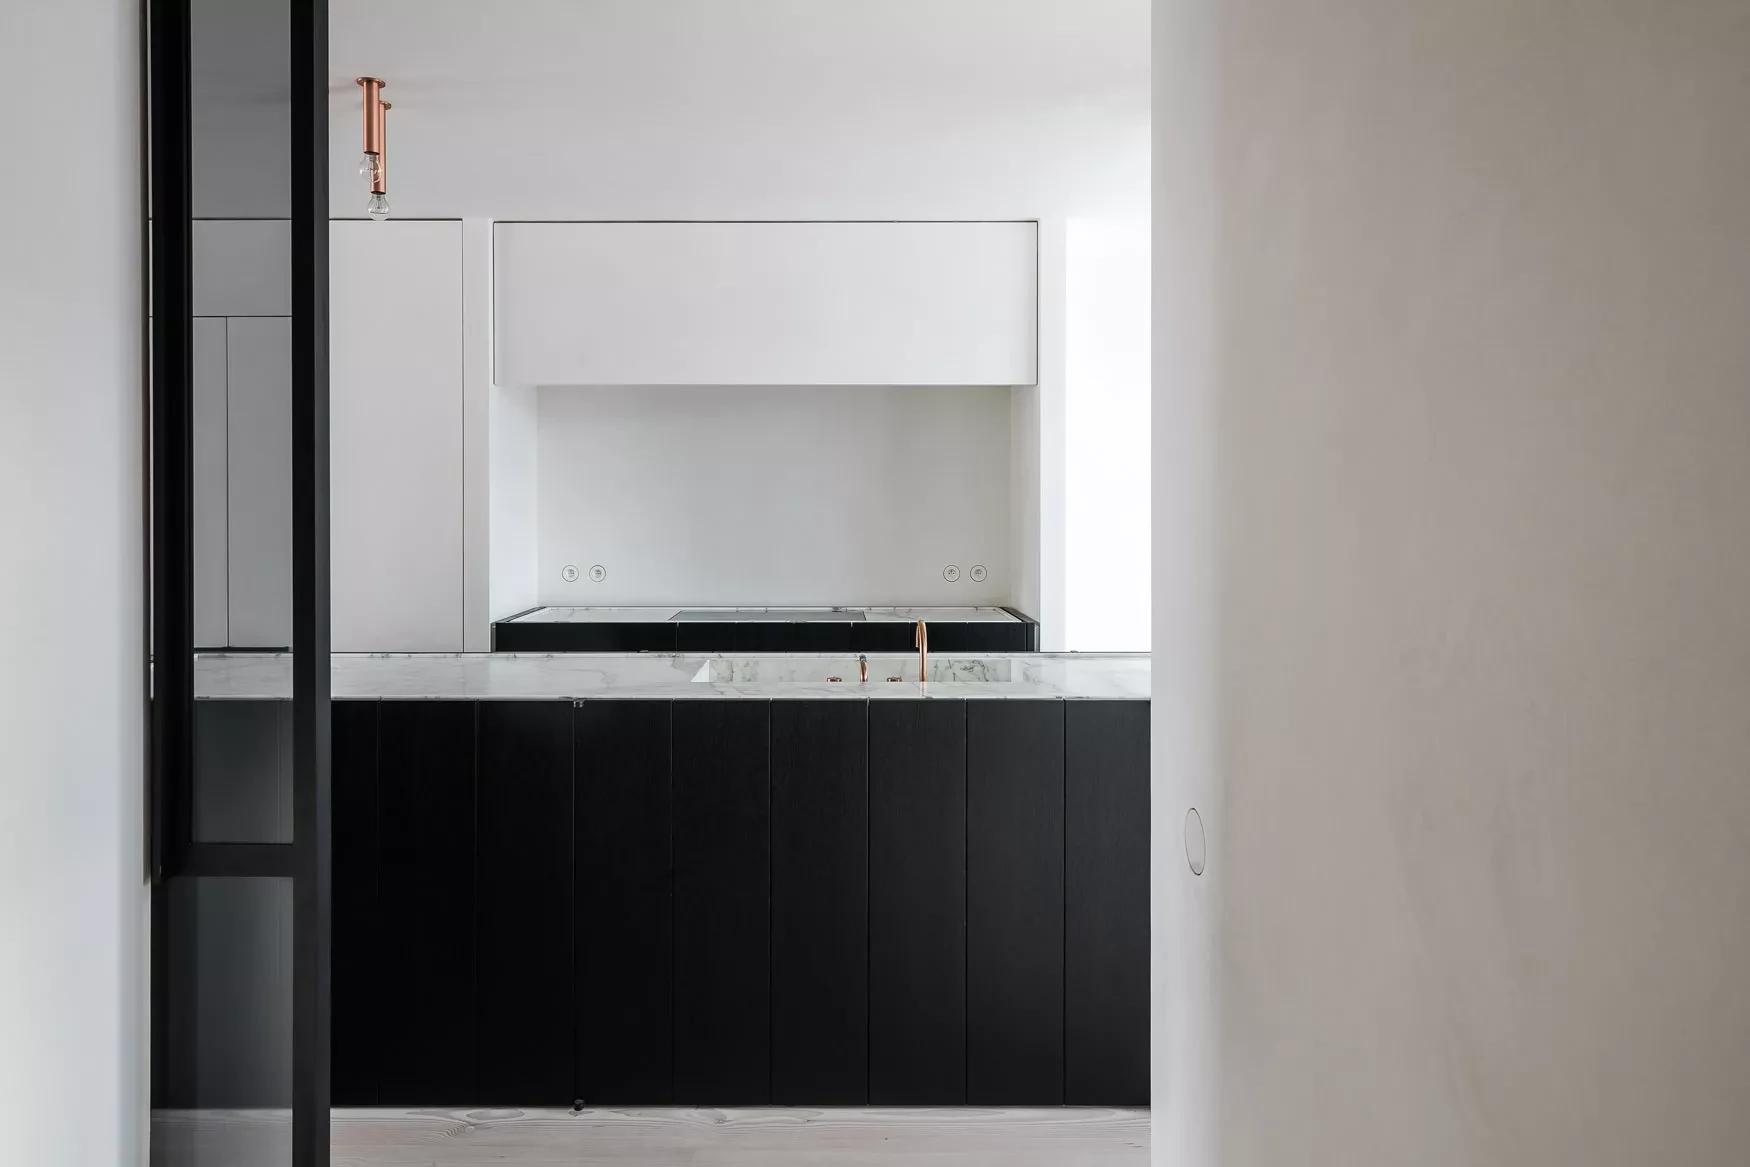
(651, 1137)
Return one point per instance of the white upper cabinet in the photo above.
(765, 303)
(258, 422)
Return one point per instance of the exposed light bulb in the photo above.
(367, 165)
(379, 208)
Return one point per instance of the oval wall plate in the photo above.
(1196, 846)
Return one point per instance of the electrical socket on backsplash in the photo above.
(951, 573)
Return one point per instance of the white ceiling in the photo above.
(748, 108)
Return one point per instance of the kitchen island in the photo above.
(712, 879)
(686, 676)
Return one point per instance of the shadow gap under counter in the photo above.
(666, 629)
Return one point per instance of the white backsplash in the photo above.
(773, 497)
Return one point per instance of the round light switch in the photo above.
(598, 573)
(978, 573)
(1196, 847)
(569, 573)
(951, 573)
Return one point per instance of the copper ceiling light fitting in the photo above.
(375, 164)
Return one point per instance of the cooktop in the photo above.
(758, 614)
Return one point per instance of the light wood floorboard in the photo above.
(657, 1137)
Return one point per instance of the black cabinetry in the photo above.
(1106, 977)
(424, 968)
(722, 913)
(624, 933)
(727, 635)
(917, 902)
(354, 1055)
(725, 902)
(1014, 902)
(820, 902)
(523, 916)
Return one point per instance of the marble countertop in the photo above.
(662, 615)
(614, 676)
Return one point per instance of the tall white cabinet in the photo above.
(212, 515)
(395, 437)
(258, 425)
(242, 436)
(396, 443)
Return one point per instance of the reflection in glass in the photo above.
(242, 771)
(223, 1090)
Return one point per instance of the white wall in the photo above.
(769, 109)
(73, 902)
(793, 495)
(1106, 435)
(1475, 380)
(763, 109)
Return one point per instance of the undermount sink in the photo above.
(887, 668)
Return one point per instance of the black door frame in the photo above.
(173, 849)
(312, 788)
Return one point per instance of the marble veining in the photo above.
(813, 669)
(625, 676)
(662, 615)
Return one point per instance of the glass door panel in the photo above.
(236, 129)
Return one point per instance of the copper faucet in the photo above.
(863, 668)
(923, 647)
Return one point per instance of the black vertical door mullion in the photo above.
(425, 779)
(820, 899)
(722, 953)
(624, 940)
(524, 1005)
(356, 911)
(1014, 902)
(1106, 917)
(917, 903)
(171, 323)
(312, 810)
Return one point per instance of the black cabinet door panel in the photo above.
(523, 904)
(1106, 920)
(722, 953)
(820, 901)
(887, 636)
(425, 781)
(917, 903)
(354, 967)
(624, 902)
(1014, 902)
